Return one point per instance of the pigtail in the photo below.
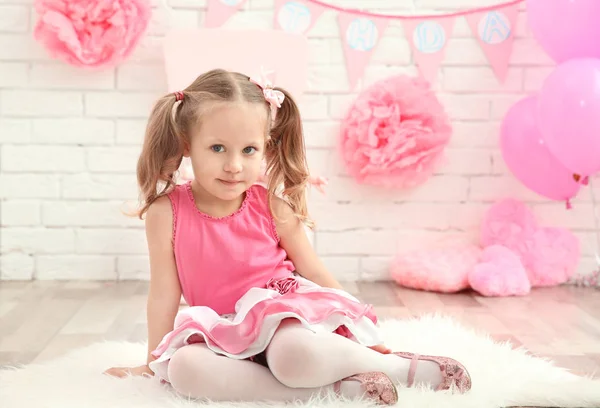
(286, 158)
(162, 152)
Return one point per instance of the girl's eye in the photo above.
(249, 150)
(217, 148)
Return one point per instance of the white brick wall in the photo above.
(69, 140)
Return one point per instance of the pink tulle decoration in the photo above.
(395, 133)
(589, 280)
(91, 33)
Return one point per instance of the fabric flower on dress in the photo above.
(395, 133)
(283, 285)
(91, 33)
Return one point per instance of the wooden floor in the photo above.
(41, 320)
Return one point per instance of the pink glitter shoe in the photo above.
(453, 372)
(377, 386)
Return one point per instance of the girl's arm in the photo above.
(300, 251)
(165, 293)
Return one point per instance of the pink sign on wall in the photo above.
(188, 53)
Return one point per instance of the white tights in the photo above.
(301, 364)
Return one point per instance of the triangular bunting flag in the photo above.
(219, 11)
(359, 36)
(494, 31)
(296, 16)
(428, 39)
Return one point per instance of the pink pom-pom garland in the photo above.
(395, 133)
(91, 33)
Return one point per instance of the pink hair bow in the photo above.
(274, 97)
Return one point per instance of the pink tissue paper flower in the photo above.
(395, 133)
(91, 33)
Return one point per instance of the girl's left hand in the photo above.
(381, 348)
(122, 372)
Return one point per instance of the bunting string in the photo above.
(361, 31)
(415, 16)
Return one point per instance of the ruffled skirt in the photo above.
(247, 332)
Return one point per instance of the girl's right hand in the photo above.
(122, 372)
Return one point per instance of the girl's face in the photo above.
(227, 149)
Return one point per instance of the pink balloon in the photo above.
(569, 114)
(527, 157)
(566, 29)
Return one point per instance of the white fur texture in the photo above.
(501, 376)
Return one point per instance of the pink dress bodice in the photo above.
(220, 259)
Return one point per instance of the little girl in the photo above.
(266, 320)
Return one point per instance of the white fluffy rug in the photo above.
(501, 376)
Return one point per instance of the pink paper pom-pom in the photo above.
(91, 33)
(395, 133)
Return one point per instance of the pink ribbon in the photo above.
(318, 182)
(273, 96)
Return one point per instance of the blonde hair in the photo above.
(170, 122)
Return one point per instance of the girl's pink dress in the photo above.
(240, 285)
